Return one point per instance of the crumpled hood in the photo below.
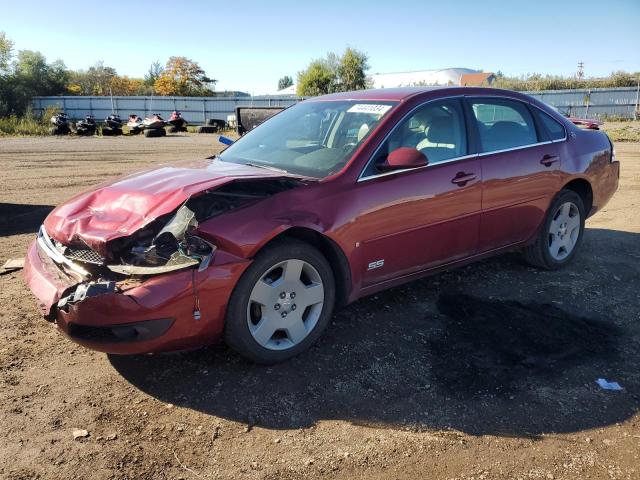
(121, 207)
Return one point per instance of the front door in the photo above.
(416, 219)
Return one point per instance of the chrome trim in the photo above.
(400, 170)
(526, 103)
(564, 127)
(386, 137)
(521, 147)
(47, 246)
(465, 157)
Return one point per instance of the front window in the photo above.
(314, 139)
(436, 129)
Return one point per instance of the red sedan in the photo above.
(331, 200)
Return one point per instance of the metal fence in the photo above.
(194, 109)
(589, 103)
(593, 103)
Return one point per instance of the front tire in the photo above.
(281, 304)
(561, 233)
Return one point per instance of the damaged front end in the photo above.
(166, 244)
(173, 247)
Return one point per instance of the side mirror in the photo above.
(404, 157)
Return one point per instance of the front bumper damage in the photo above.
(163, 285)
(135, 313)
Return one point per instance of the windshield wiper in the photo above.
(259, 165)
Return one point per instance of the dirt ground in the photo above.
(483, 372)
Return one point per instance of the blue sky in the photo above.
(249, 45)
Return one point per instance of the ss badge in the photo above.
(376, 264)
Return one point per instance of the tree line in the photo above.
(25, 74)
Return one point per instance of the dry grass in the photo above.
(623, 131)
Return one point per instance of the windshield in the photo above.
(313, 139)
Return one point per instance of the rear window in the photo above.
(503, 124)
(553, 127)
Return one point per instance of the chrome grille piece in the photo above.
(85, 255)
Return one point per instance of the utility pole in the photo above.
(580, 72)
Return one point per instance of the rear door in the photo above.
(420, 218)
(520, 169)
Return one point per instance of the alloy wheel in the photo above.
(564, 231)
(285, 304)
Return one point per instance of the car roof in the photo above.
(404, 93)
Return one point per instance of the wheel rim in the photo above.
(564, 231)
(285, 304)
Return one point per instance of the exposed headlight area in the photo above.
(56, 253)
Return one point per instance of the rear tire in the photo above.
(54, 131)
(172, 129)
(207, 129)
(560, 234)
(154, 132)
(288, 290)
(107, 132)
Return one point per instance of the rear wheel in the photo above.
(54, 131)
(207, 129)
(561, 233)
(154, 132)
(281, 304)
(107, 132)
(173, 129)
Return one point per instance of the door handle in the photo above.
(549, 160)
(462, 178)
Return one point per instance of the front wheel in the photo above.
(281, 304)
(560, 234)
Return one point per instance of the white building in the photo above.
(443, 77)
(446, 76)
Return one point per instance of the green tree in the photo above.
(319, 78)
(352, 69)
(31, 75)
(285, 82)
(155, 71)
(95, 81)
(334, 73)
(6, 51)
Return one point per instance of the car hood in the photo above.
(123, 206)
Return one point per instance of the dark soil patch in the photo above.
(491, 345)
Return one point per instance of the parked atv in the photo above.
(113, 126)
(177, 123)
(135, 124)
(87, 126)
(154, 126)
(60, 123)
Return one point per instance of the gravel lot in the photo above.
(483, 372)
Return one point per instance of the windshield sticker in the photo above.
(369, 108)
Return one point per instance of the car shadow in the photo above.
(17, 218)
(492, 348)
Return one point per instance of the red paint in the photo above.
(419, 221)
(121, 207)
(586, 123)
(405, 157)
